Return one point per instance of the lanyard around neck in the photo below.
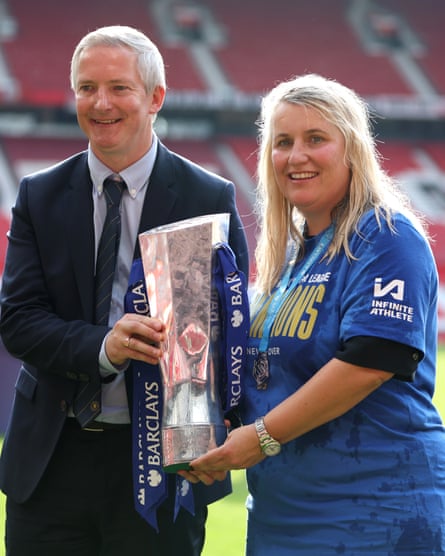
(286, 283)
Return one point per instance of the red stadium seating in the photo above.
(426, 19)
(280, 39)
(48, 30)
(265, 43)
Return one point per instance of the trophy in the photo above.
(178, 264)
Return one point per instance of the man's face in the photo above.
(113, 107)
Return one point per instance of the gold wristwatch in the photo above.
(269, 446)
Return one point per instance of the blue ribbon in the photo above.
(287, 283)
(231, 285)
(150, 484)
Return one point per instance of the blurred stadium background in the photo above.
(221, 56)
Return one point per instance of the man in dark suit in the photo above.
(69, 487)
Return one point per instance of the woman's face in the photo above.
(308, 157)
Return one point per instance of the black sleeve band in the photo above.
(382, 354)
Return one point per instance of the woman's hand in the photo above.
(239, 451)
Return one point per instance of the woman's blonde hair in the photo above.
(370, 186)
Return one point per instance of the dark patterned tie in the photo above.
(108, 248)
(87, 405)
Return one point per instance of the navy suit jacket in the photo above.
(47, 297)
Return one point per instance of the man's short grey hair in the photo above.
(149, 60)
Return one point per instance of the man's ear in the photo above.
(157, 99)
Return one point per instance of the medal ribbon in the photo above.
(286, 283)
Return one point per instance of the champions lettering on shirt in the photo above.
(298, 313)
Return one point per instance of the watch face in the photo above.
(269, 446)
(272, 448)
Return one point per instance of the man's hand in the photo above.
(136, 337)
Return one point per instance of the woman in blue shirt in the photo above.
(344, 449)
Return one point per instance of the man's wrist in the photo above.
(106, 367)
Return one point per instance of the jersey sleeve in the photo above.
(391, 287)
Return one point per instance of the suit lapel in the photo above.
(80, 233)
(160, 197)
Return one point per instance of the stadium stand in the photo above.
(36, 48)
(427, 18)
(283, 39)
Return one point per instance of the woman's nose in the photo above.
(297, 154)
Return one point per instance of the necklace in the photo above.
(261, 363)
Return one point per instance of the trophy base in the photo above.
(183, 443)
(176, 467)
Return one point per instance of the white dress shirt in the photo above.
(136, 176)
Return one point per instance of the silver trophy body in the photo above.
(178, 266)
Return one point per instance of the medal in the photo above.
(261, 371)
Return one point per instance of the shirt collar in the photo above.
(135, 176)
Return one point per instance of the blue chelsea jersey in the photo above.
(376, 475)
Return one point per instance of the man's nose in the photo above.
(102, 100)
